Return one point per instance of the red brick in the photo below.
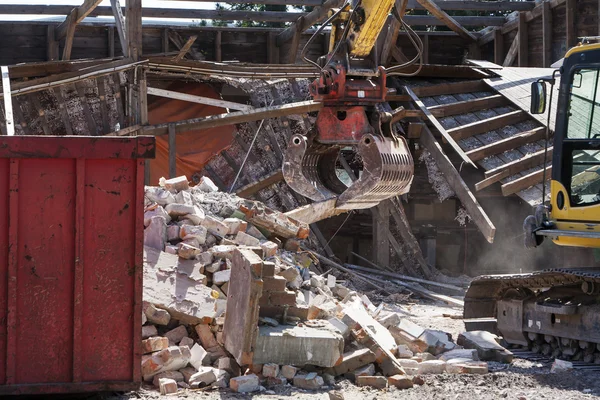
(207, 338)
(283, 298)
(274, 284)
(268, 270)
(153, 344)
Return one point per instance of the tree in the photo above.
(251, 7)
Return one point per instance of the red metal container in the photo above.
(71, 243)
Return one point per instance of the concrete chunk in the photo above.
(468, 367)
(207, 185)
(403, 351)
(199, 356)
(149, 330)
(437, 341)
(188, 251)
(223, 251)
(298, 346)
(367, 370)
(289, 371)
(204, 377)
(229, 365)
(221, 277)
(269, 249)
(270, 370)
(234, 225)
(470, 354)
(245, 384)
(158, 211)
(170, 359)
(173, 233)
(486, 345)
(167, 386)
(215, 226)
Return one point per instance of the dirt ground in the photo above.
(521, 380)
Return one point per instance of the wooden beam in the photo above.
(469, 5)
(272, 48)
(381, 227)
(110, 37)
(526, 181)
(460, 188)
(512, 53)
(522, 164)
(172, 152)
(571, 10)
(143, 99)
(197, 99)
(185, 48)
(498, 46)
(507, 144)
(450, 22)
(391, 40)
(399, 56)
(426, 49)
(294, 44)
(165, 40)
(419, 20)
(76, 15)
(218, 52)
(180, 44)
(523, 41)
(451, 88)
(467, 106)
(134, 28)
(260, 184)
(8, 108)
(52, 49)
(439, 127)
(70, 35)
(546, 35)
(318, 14)
(236, 117)
(117, 12)
(491, 180)
(486, 125)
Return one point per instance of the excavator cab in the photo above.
(573, 216)
(353, 153)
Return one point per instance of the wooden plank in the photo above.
(571, 10)
(486, 125)
(260, 184)
(294, 44)
(143, 100)
(419, 20)
(117, 12)
(523, 41)
(110, 37)
(236, 117)
(185, 48)
(52, 49)
(76, 15)
(525, 182)
(91, 124)
(439, 127)
(318, 14)
(522, 164)
(180, 44)
(218, 53)
(491, 180)
(390, 41)
(469, 5)
(467, 106)
(546, 35)
(172, 152)
(498, 46)
(62, 108)
(450, 22)
(399, 56)
(381, 227)
(460, 188)
(8, 108)
(451, 88)
(103, 106)
(170, 94)
(512, 53)
(509, 143)
(134, 29)
(70, 35)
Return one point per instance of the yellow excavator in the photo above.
(353, 123)
(556, 312)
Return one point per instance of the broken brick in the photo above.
(378, 382)
(310, 381)
(175, 335)
(269, 249)
(154, 344)
(274, 284)
(245, 384)
(167, 386)
(400, 381)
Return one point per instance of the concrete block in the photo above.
(175, 184)
(156, 315)
(352, 360)
(432, 367)
(204, 377)
(391, 319)
(405, 363)
(310, 381)
(402, 351)
(215, 226)
(340, 291)
(153, 344)
(341, 327)
(470, 354)
(175, 375)
(179, 210)
(155, 235)
(221, 277)
(269, 249)
(149, 330)
(378, 382)
(205, 258)
(298, 345)
(244, 239)
(229, 365)
(331, 281)
(437, 342)
(167, 386)
(486, 345)
(234, 225)
(406, 332)
(165, 287)
(245, 384)
(289, 371)
(158, 211)
(159, 195)
(420, 357)
(400, 381)
(223, 251)
(199, 356)
(187, 341)
(197, 232)
(357, 317)
(207, 185)
(184, 197)
(270, 370)
(175, 335)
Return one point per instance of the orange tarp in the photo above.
(194, 148)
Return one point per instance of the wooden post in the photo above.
(523, 42)
(512, 53)
(70, 30)
(134, 28)
(111, 41)
(52, 44)
(381, 227)
(272, 48)
(571, 8)
(218, 57)
(143, 101)
(426, 49)
(498, 46)
(172, 151)
(474, 51)
(546, 35)
(295, 43)
(121, 26)
(165, 40)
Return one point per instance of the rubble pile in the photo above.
(230, 301)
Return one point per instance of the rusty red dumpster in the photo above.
(71, 248)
